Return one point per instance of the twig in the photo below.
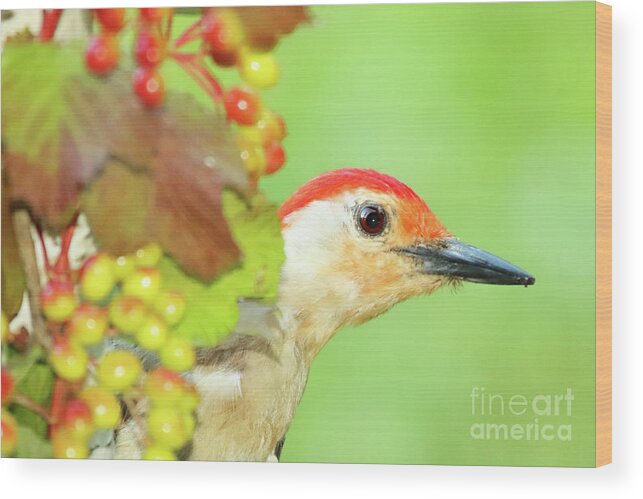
(43, 248)
(22, 226)
(25, 401)
(168, 27)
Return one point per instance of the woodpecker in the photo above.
(356, 242)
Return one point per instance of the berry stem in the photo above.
(212, 81)
(201, 75)
(50, 19)
(192, 33)
(58, 399)
(62, 263)
(168, 27)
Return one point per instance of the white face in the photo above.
(343, 261)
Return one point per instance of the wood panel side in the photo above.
(603, 234)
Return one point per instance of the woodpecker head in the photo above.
(357, 242)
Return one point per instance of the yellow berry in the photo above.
(124, 266)
(104, 406)
(155, 453)
(144, 283)
(170, 305)
(177, 354)
(69, 361)
(118, 370)
(149, 255)
(97, 278)
(259, 69)
(65, 446)
(152, 334)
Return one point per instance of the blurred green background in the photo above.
(487, 111)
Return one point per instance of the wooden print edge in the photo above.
(603, 234)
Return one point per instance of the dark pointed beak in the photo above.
(461, 260)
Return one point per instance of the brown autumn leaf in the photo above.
(13, 276)
(171, 193)
(127, 209)
(147, 174)
(265, 25)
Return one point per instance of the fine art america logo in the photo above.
(543, 417)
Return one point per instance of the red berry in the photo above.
(214, 34)
(149, 86)
(153, 15)
(6, 386)
(275, 157)
(77, 417)
(111, 20)
(76, 409)
(223, 37)
(242, 106)
(224, 59)
(102, 54)
(149, 50)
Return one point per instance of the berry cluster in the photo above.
(228, 44)
(259, 132)
(116, 296)
(149, 50)
(170, 416)
(124, 297)
(224, 40)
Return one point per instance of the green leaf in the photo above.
(47, 150)
(21, 364)
(31, 445)
(212, 310)
(37, 385)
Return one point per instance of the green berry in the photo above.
(118, 370)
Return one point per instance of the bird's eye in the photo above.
(372, 220)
